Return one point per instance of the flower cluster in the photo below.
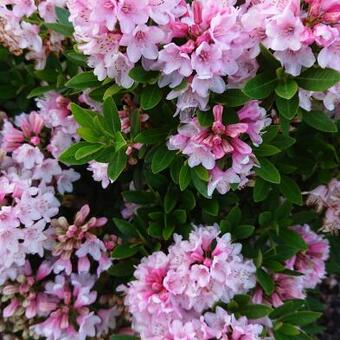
(327, 197)
(31, 178)
(310, 263)
(291, 27)
(18, 33)
(59, 298)
(206, 46)
(201, 44)
(171, 291)
(209, 146)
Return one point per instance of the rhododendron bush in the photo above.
(169, 169)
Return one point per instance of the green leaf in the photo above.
(62, 15)
(188, 200)
(234, 215)
(64, 29)
(288, 329)
(111, 91)
(255, 311)
(82, 116)
(180, 215)
(76, 58)
(202, 173)
(242, 232)
(120, 141)
(39, 91)
(162, 159)
(266, 150)
(83, 81)
(184, 177)
(68, 156)
(170, 200)
(150, 97)
(293, 239)
(88, 134)
(211, 207)
(318, 79)
(286, 89)
(232, 98)
(287, 308)
(301, 318)
(135, 123)
(319, 120)
(111, 116)
(283, 142)
(200, 185)
(265, 281)
(261, 86)
(139, 74)
(122, 269)
(126, 228)
(261, 190)
(288, 108)
(267, 59)
(205, 118)
(139, 197)
(290, 189)
(117, 164)
(151, 136)
(124, 251)
(87, 150)
(268, 171)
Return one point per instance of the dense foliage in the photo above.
(203, 133)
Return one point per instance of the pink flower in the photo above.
(330, 56)
(310, 262)
(48, 169)
(142, 41)
(105, 10)
(206, 60)
(34, 238)
(28, 155)
(100, 173)
(87, 325)
(132, 13)
(294, 60)
(222, 180)
(162, 11)
(23, 8)
(174, 59)
(119, 68)
(285, 32)
(325, 35)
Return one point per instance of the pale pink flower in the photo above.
(174, 59)
(47, 170)
(28, 155)
(293, 61)
(34, 238)
(142, 41)
(310, 262)
(330, 56)
(222, 180)
(206, 60)
(99, 171)
(132, 13)
(325, 35)
(285, 31)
